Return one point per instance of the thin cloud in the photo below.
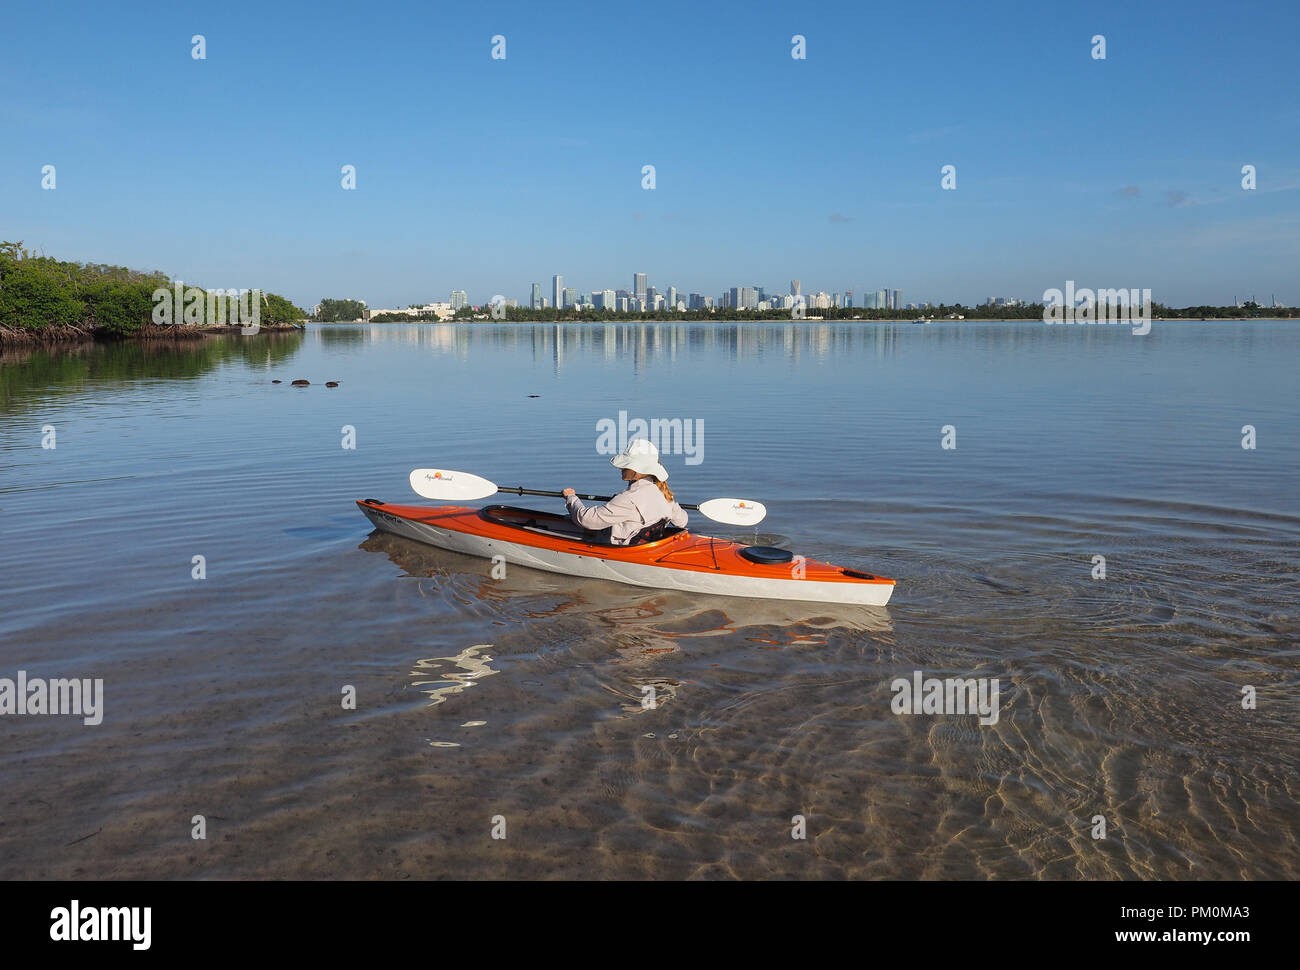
(1176, 197)
(836, 217)
(1129, 191)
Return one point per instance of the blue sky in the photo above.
(487, 175)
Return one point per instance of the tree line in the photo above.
(41, 295)
(340, 311)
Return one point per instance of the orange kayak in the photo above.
(680, 560)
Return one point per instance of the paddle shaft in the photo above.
(520, 490)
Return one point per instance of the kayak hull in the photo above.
(682, 561)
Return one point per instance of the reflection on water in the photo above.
(647, 694)
(634, 621)
(471, 666)
(626, 631)
(640, 344)
(78, 368)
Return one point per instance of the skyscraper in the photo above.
(898, 300)
(672, 298)
(638, 285)
(459, 299)
(557, 291)
(794, 286)
(882, 299)
(570, 297)
(536, 302)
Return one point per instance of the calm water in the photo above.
(1120, 697)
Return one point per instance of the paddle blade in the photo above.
(734, 511)
(440, 483)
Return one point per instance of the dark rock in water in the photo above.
(331, 383)
(277, 382)
(301, 383)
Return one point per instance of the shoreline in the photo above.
(908, 320)
(73, 334)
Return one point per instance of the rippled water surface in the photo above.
(1120, 698)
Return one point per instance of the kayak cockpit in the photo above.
(561, 526)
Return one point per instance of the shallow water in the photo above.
(522, 697)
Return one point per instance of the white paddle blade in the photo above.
(440, 483)
(734, 511)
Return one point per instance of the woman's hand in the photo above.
(568, 492)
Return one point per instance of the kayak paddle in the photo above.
(440, 483)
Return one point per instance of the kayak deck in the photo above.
(680, 560)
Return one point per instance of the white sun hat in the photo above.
(642, 457)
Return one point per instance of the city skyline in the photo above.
(849, 297)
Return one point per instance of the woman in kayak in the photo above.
(646, 500)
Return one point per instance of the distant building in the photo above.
(897, 302)
(848, 298)
(748, 298)
(459, 300)
(795, 287)
(536, 302)
(570, 296)
(638, 286)
(672, 296)
(557, 291)
(443, 311)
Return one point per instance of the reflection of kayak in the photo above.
(680, 560)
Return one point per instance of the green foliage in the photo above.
(276, 309)
(33, 294)
(119, 308)
(333, 311)
(38, 293)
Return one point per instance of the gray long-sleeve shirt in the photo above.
(627, 513)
